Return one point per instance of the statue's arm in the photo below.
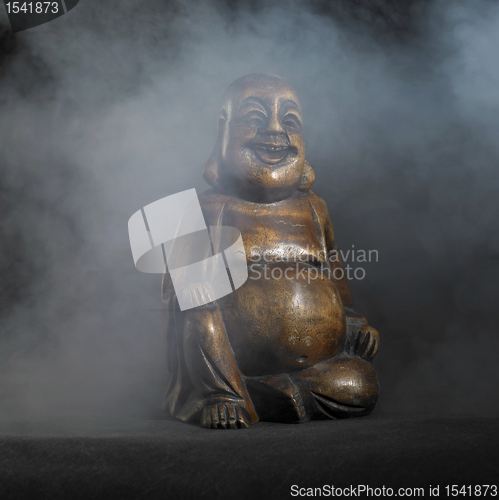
(167, 290)
(363, 340)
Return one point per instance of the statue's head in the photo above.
(260, 151)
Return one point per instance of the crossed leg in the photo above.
(343, 387)
(221, 397)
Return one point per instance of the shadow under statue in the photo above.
(286, 346)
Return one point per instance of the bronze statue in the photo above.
(287, 346)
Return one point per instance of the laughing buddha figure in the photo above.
(287, 346)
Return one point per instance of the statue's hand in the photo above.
(225, 416)
(197, 295)
(365, 343)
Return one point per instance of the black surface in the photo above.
(76, 457)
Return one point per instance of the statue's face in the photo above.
(262, 147)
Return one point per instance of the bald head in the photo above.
(258, 83)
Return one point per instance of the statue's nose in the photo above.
(274, 125)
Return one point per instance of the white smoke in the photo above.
(115, 105)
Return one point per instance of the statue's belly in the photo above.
(285, 320)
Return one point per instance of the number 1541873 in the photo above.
(32, 7)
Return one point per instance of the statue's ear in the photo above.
(307, 179)
(212, 168)
(210, 173)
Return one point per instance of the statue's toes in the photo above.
(238, 418)
(225, 416)
(292, 409)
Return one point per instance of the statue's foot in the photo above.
(225, 416)
(339, 388)
(277, 399)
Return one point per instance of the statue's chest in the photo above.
(277, 232)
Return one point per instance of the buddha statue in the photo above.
(287, 346)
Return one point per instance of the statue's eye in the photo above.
(254, 118)
(291, 123)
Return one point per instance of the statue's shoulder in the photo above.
(317, 203)
(212, 198)
(212, 202)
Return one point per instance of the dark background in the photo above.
(115, 105)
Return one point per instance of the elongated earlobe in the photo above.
(308, 178)
(210, 173)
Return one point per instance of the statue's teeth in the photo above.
(271, 149)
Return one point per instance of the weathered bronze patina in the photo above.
(287, 346)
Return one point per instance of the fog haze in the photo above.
(115, 105)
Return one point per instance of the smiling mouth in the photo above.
(272, 154)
